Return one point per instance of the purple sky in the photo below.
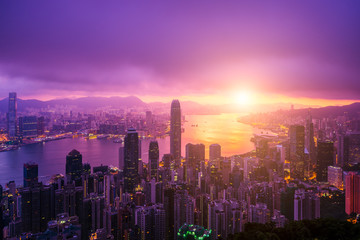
(176, 48)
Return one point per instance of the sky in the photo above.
(243, 52)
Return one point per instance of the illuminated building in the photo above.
(193, 232)
(352, 193)
(121, 158)
(175, 131)
(325, 158)
(31, 174)
(349, 148)
(28, 126)
(12, 115)
(154, 159)
(74, 166)
(131, 160)
(297, 151)
(335, 176)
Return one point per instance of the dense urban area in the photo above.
(302, 180)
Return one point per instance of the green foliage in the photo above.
(320, 229)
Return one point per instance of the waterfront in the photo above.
(234, 138)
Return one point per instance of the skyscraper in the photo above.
(31, 174)
(12, 115)
(131, 160)
(325, 158)
(309, 138)
(28, 126)
(214, 152)
(297, 150)
(74, 166)
(352, 193)
(154, 159)
(175, 131)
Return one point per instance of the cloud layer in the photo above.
(160, 48)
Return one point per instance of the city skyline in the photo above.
(234, 53)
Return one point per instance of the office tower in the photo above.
(192, 232)
(154, 159)
(349, 148)
(309, 138)
(175, 132)
(306, 205)
(12, 115)
(335, 176)
(121, 158)
(74, 166)
(195, 155)
(31, 174)
(169, 204)
(325, 158)
(131, 160)
(214, 152)
(352, 193)
(297, 148)
(28, 126)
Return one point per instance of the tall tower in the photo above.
(74, 166)
(352, 193)
(175, 131)
(131, 160)
(154, 159)
(12, 115)
(297, 151)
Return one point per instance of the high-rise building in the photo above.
(154, 159)
(131, 160)
(28, 126)
(31, 174)
(297, 151)
(335, 176)
(306, 205)
(175, 131)
(195, 156)
(12, 115)
(352, 193)
(74, 166)
(169, 206)
(349, 148)
(214, 152)
(309, 138)
(325, 158)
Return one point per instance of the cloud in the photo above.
(170, 49)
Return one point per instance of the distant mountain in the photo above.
(85, 103)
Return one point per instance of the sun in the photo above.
(244, 98)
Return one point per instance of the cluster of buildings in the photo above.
(175, 197)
